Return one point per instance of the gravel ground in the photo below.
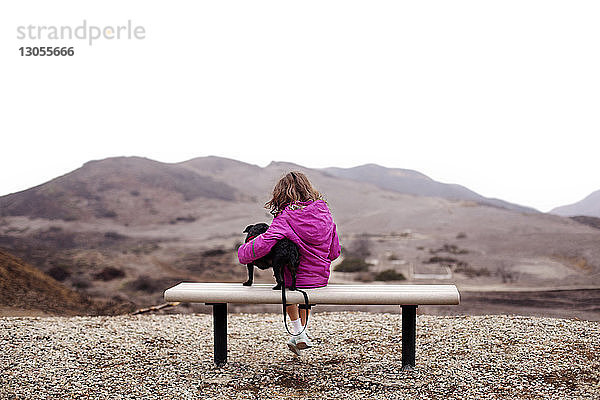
(356, 355)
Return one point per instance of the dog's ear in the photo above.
(248, 228)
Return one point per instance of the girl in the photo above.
(301, 215)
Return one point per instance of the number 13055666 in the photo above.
(47, 51)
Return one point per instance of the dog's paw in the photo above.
(277, 287)
(247, 283)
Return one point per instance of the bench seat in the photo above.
(407, 296)
(331, 294)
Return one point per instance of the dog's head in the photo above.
(255, 230)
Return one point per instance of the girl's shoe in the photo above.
(302, 341)
(292, 346)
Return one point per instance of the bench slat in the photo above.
(331, 294)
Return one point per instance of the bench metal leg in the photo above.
(220, 333)
(409, 336)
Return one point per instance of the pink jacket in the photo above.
(309, 225)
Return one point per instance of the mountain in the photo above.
(590, 206)
(415, 183)
(135, 190)
(127, 189)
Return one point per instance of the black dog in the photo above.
(284, 253)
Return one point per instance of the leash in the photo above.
(305, 306)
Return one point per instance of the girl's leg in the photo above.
(292, 311)
(295, 318)
(303, 314)
(297, 343)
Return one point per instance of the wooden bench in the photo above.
(407, 296)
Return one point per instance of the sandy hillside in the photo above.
(24, 290)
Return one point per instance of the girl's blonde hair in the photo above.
(293, 187)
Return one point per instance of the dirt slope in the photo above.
(25, 288)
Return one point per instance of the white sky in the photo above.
(500, 96)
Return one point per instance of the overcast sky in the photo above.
(502, 97)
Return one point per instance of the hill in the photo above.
(590, 221)
(125, 189)
(23, 287)
(412, 182)
(590, 207)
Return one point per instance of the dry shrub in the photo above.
(471, 272)
(109, 273)
(59, 273)
(352, 264)
(441, 260)
(145, 284)
(81, 283)
(449, 248)
(214, 252)
(114, 236)
(389, 275)
(575, 261)
(361, 247)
